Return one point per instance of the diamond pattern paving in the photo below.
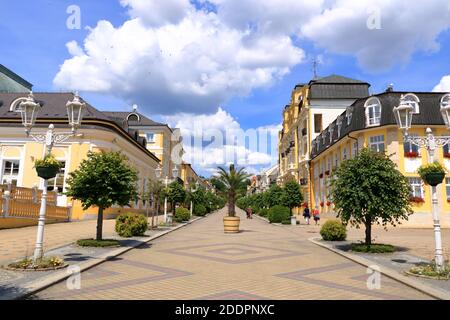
(201, 262)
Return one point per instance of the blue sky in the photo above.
(34, 36)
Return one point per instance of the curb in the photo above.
(390, 273)
(41, 284)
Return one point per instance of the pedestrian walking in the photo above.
(249, 213)
(306, 214)
(316, 215)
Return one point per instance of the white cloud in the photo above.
(191, 66)
(157, 13)
(444, 85)
(406, 27)
(218, 139)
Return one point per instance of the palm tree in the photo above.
(233, 180)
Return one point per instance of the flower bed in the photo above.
(44, 264)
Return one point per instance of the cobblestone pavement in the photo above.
(201, 262)
(19, 242)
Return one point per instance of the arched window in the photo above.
(133, 117)
(411, 99)
(15, 105)
(373, 111)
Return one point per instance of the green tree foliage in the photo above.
(274, 196)
(278, 214)
(103, 180)
(175, 194)
(292, 196)
(154, 194)
(233, 180)
(369, 189)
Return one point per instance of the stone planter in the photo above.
(433, 179)
(47, 172)
(231, 224)
(294, 220)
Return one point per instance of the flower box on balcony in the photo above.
(328, 203)
(321, 175)
(321, 204)
(411, 154)
(327, 172)
(447, 155)
(416, 200)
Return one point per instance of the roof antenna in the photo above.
(315, 64)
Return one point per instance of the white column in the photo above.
(438, 257)
(39, 250)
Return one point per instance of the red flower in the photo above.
(321, 203)
(328, 203)
(305, 205)
(417, 199)
(447, 155)
(411, 154)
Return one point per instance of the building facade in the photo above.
(370, 123)
(99, 132)
(312, 107)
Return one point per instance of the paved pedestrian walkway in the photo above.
(19, 242)
(201, 262)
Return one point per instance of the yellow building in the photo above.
(99, 131)
(370, 123)
(312, 107)
(189, 176)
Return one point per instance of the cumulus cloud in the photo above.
(444, 85)
(193, 65)
(218, 139)
(405, 27)
(157, 13)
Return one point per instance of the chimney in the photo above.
(390, 88)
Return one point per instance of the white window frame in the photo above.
(373, 103)
(447, 188)
(355, 148)
(416, 182)
(348, 115)
(412, 100)
(344, 154)
(153, 140)
(8, 177)
(377, 143)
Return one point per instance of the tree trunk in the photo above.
(99, 224)
(368, 232)
(153, 210)
(231, 211)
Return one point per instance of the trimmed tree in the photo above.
(369, 189)
(103, 180)
(275, 196)
(175, 194)
(292, 195)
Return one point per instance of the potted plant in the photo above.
(417, 199)
(48, 167)
(234, 181)
(432, 174)
(447, 155)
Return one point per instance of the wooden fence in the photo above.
(19, 202)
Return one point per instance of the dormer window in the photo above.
(348, 115)
(412, 100)
(339, 125)
(373, 111)
(330, 131)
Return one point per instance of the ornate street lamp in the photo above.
(166, 180)
(29, 110)
(403, 116)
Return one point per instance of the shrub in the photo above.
(333, 230)
(182, 214)
(286, 222)
(278, 213)
(98, 243)
(264, 212)
(200, 210)
(373, 248)
(131, 224)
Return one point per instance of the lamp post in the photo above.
(166, 181)
(403, 116)
(29, 109)
(192, 202)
